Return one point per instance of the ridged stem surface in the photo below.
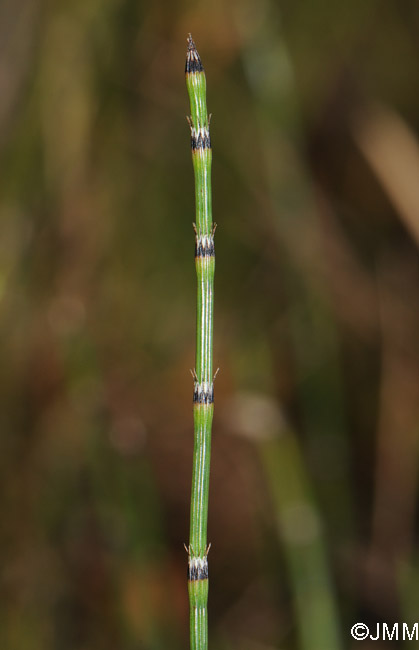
(203, 395)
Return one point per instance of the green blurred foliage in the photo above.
(315, 464)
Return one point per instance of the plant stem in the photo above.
(203, 395)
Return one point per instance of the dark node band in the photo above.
(204, 247)
(193, 64)
(201, 141)
(198, 568)
(203, 394)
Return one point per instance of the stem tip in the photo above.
(193, 61)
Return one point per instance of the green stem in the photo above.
(203, 396)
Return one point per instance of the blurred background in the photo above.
(313, 501)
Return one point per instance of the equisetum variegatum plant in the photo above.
(203, 392)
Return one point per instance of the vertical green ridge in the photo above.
(203, 395)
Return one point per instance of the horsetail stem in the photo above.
(203, 394)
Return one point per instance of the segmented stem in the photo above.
(203, 395)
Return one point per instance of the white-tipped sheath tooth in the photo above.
(201, 132)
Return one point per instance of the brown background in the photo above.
(313, 497)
